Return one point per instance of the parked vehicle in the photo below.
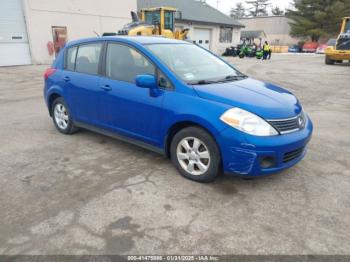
(310, 47)
(230, 51)
(259, 53)
(321, 49)
(180, 100)
(245, 51)
(294, 49)
(155, 21)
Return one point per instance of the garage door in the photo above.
(14, 47)
(202, 37)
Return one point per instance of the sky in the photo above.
(226, 5)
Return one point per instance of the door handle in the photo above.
(106, 87)
(66, 78)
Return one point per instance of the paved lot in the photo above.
(89, 194)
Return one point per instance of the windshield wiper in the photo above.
(204, 82)
(226, 79)
(233, 77)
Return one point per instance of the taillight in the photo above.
(49, 72)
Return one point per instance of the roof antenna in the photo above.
(97, 34)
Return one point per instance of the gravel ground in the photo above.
(89, 194)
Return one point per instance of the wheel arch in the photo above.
(176, 127)
(52, 97)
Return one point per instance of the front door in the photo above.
(127, 108)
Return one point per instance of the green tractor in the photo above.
(245, 51)
(259, 54)
(248, 51)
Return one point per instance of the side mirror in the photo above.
(146, 81)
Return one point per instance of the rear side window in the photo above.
(70, 58)
(125, 63)
(88, 58)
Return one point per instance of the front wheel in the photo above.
(61, 117)
(195, 154)
(329, 61)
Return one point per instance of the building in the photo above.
(208, 27)
(31, 31)
(276, 29)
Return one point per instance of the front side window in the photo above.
(125, 63)
(152, 17)
(192, 63)
(88, 58)
(226, 35)
(70, 58)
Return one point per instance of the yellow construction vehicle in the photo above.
(154, 21)
(341, 51)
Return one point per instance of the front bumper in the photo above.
(242, 154)
(337, 54)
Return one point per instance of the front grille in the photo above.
(284, 126)
(292, 155)
(343, 42)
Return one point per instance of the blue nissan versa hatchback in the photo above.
(178, 99)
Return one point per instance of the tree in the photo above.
(258, 7)
(277, 11)
(317, 18)
(238, 11)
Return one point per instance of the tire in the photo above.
(329, 61)
(61, 117)
(198, 159)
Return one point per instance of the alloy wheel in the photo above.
(61, 116)
(193, 156)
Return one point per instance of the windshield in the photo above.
(152, 17)
(347, 26)
(193, 64)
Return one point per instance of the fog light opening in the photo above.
(267, 162)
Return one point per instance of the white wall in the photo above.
(276, 28)
(215, 45)
(81, 17)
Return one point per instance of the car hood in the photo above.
(266, 100)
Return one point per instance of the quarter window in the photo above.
(163, 81)
(125, 63)
(70, 59)
(88, 58)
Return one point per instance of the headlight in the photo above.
(248, 122)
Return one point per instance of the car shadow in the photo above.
(224, 184)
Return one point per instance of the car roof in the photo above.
(143, 40)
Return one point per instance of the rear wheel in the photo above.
(329, 61)
(61, 117)
(195, 154)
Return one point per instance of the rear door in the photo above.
(82, 81)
